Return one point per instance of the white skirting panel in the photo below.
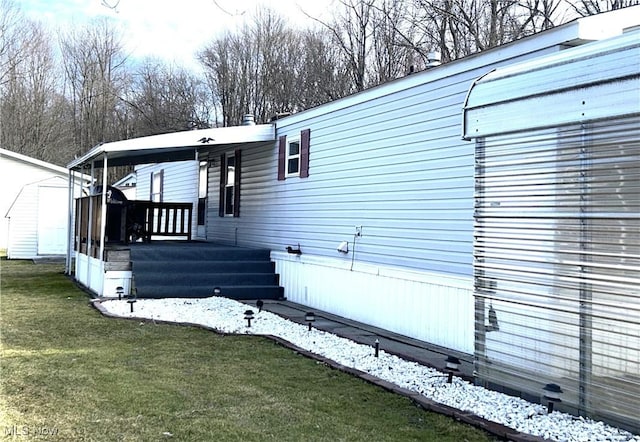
(90, 273)
(431, 307)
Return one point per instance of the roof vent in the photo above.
(433, 59)
(248, 120)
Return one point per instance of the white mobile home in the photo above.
(371, 208)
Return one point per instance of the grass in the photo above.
(68, 373)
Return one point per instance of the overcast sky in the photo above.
(173, 30)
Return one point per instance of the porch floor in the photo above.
(168, 269)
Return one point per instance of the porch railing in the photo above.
(163, 219)
(129, 221)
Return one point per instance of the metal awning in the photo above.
(592, 82)
(177, 146)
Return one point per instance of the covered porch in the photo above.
(106, 229)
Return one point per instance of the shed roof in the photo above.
(177, 146)
(33, 161)
(588, 83)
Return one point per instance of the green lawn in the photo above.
(69, 371)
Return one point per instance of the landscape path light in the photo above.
(132, 300)
(248, 315)
(552, 394)
(120, 292)
(377, 348)
(310, 317)
(217, 291)
(453, 364)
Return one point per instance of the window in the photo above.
(293, 155)
(157, 182)
(293, 158)
(230, 184)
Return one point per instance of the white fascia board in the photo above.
(181, 141)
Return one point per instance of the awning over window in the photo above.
(593, 82)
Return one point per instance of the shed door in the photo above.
(52, 220)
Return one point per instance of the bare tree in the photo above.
(267, 68)
(165, 99)
(94, 64)
(15, 37)
(592, 7)
(32, 111)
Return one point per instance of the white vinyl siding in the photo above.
(180, 183)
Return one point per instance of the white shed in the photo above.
(20, 179)
(34, 206)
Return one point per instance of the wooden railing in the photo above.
(162, 219)
(129, 221)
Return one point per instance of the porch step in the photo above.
(217, 279)
(192, 270)
(192, 266)
(239, 292)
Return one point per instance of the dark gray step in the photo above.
(263, 266)
(204, 291)
(196, 253)
(184, 280)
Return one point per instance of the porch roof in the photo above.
(175, 146)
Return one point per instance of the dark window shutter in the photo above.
(236, 184)
(223, 177)
(282, 153)
(151, 186)
(305, 139)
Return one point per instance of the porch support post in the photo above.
(103, 213)
(70, 237)
(90, 223)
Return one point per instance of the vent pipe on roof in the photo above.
(248, 120)
(433, 59)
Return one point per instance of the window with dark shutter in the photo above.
(293, 155)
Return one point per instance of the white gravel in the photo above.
(227, 316)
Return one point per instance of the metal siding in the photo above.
(588, 83)
(557, 256)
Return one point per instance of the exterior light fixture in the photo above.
(453, 364)
(132, 300)
(119, 292)
(552, 394)
(310, 317)
(217, 291)
(248, 315)
(377, 348)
